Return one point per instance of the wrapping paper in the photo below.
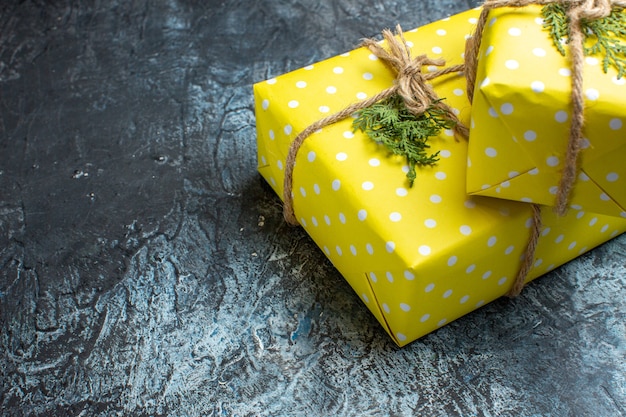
(521, 113)
(418, 257)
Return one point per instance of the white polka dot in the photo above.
(435, 198)
(409, 275)
(342, 218)
(592, 94)
(424, 317)
(314, 221)
(327, 252)
(353, 250)
(331, 89)
(572, 245)
(480, 303)
(436, 50)
(401, 337)
(402, 192)
(565, 72)
(538, 262)
(465, 230)
(559, 239)
(327, 219)
(324, 109)
(339, 251)
(272, 135)
(430, 223)
(374, 162)
(409, 44)
(612, 177)
(615, 124)
(303, 191)
(591, 60)
(470, 204)
(309, 67)
(293, 104)
(492, 112)
(367, 185)
(442, 322)
(515, 31)
(580, 214)
(537, 86)
(303, 222)
(553, 190)
(405, 307)
(389, 276)
(361, 95)
(316, 188)
(386, 308)
(369, 248)
(530, 135)
(509, 250)
(513, 174)
(464, 299)
(390, 246)
(368, 76)
(539, 52)
(486, 275)
(552, 161)
(539, 21)
(362, 215)
(447, 294)
(502, 280)
(395, 216)
(279, 164)
(526, 199)
(336, 185)
(491, 152)
(273, 181)
(561, 116)
(301, 84)
(593, 221)
(452, 260)
(311, 156)
(576, 206)
(485, 82)
(506, 108)
(489, 50)
(272, 81)
(341, 156)
(604, 228)
(441, 32)
(424, 250)
(373, 57)
(288, 129)
(470, 269)
(440, 175)
(511, 64)
(458, 92)
(265, 104)
(338, 70)
(605, 197)
(492, 241)
(445, 153)
(348, 134)
(619, 81)
(367, 300)
(534, 171)
(429, 287)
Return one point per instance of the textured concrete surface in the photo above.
(146, 269)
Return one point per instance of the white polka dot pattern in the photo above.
(524, 95)
(418, 257)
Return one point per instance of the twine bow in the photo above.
(411, 84)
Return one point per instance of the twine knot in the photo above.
(594, 9)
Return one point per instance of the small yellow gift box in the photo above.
(521, 116)
(422, 256)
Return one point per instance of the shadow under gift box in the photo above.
(521, 117)
(418, 257)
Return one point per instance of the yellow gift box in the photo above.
(418, 257)
(521, 117)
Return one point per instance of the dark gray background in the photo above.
(146, 269)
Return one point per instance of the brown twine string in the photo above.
(411, 84)
(577, 11)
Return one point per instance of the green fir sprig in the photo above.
(390, 123)
(608, 35)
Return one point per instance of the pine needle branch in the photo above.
(391, 124)
(607, 36)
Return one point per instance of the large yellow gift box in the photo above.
(521, 117)
(422, 256)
